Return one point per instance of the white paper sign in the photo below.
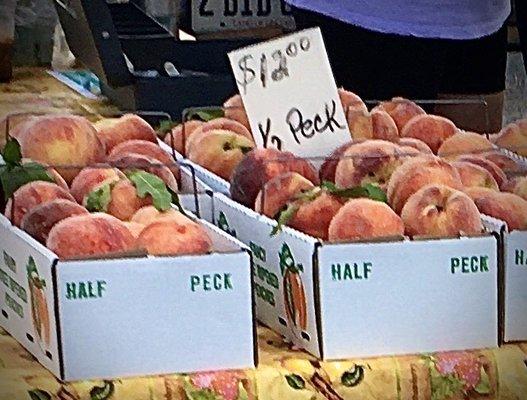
(290, 94)
(234, 15)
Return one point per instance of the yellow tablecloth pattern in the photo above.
(283, 373)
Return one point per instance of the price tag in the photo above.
(290, 95)
(234, 15)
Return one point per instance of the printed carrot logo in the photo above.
(294, 293)
(223, 224)
(39, 306)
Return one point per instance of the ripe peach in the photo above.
(124, 201)
(417, 172)
(224, 124)
(474, 175)
(438, 211)
(147, 215)
(59, 180)
(375, 125)
(503, 161)
(134, 228)
(351, 102)
(431, 129)
(30, 195)
(89, 179)
(62, 142)
(507, 207)
(364, 219)
(514, 137)
(261, 165)
(169, 237)
(219, 151)
(401, 110)
(416, 144)
(180, 134)
(329, 167)
(89, 235)
(494, 170)
(464, 143)
(518, 186)
(279, 191)
(145, 148)
(113, 131)
(235, 110)
(40, 219)
(372, 161)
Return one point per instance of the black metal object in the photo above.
(101, 34)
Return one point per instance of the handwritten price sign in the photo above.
(290, 94)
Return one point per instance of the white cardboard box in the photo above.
(370, 299)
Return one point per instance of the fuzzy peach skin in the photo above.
(464, 143)
(124, 201)
(145, 148)
(279, 191)
(90, 179)
(219, 151)
(261, 165)
(401, 110)
(180, 134)
(507, 207)
(496, 172)
(89, 235)
(15, 124)
(314, 216)
(133, 161)
(375, 125)
(364, 219)
(62, 142)
(235, 110)
(134, 228)
(40, 219)
(169, 237)
(329, 167)
(147, 215)
(518, 186)
(440, 211)
(474, 175)
(416, 144)
(113, 131)
(59, 180)
(30, 195)
(506, 163)
(514, 137)
(417, 172)
(431, 129)
(351, 102)
(224, 124)
(372, 161)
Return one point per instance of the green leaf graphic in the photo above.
(102, 392)
(149, 184)
(38, 394)
(295, 381)
(353, 377)
(99, 199)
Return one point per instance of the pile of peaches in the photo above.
(405, 172)
(106, 188)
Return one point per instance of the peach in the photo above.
(439, 211)
(351, 102)
(364, 219)
(416, 144)
(235, 110)
(64, 142)
(372, 161)
(494, 170)
(474, 175)
(431, 129)
(59, 180)
(180, 134)
(145, 148)
(279, 191)
(507, 207)
(375, 125)
(219, 151)
(15, 125)
(30, 195)
(464, 143)
(40, 219)
(518, 186)
(113, 131)
(134, 228)
(89, 235)
(417, 172)
(217, 124)
(124, 201)
(514, 137)
(503, 161)
(261, 165)
(169, 237)
(401, 110)
(147, 215)
(92, 178)
(133, 161)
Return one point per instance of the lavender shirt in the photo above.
(447, 19)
